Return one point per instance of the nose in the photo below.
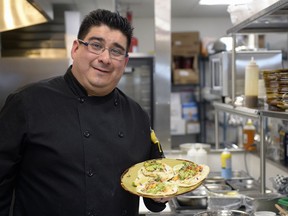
(105, 56)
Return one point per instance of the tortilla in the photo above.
(157, 188)
(133, 179)
(141, 179)
(157, 169)
(189, 173)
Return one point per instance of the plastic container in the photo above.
(185, 147)
(201, 156)
(226, 164)
(192, 154)
(239, 12)
(251, 84)
(248, 136)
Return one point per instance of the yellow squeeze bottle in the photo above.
(226, 164)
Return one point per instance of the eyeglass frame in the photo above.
(87, 43)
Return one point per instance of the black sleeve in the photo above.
(12, 127)
(154, 206)
(156, 152)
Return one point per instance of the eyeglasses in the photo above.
(97, 48)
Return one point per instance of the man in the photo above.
(65, 142)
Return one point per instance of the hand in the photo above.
(162, 200)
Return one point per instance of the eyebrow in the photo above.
(102, 40)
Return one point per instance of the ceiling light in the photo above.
(223, 2)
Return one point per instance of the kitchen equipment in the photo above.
(137, 81)
(196, 199)
(222, 213)
(16, 72)
(244, 184)
(221, 69)
(218, 188)
(264, 213)
(256, 201)
(215, 180)
(236, 174)
(225, 202)
(22, 13)
(222, 197)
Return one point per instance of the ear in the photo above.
(74, 48)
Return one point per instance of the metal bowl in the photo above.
(218, 188)
(222, 213)
(196, 199)
(214, 180)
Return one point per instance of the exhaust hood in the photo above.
(21, 13)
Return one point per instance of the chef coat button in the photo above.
(115, 102)
(82, 100)
(120, 134)
(90, 173)
(86, 134)
(92, 212)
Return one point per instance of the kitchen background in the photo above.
(39, 51)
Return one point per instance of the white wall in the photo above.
(208, 27)
(144, 29)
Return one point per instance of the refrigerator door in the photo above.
(137, 82)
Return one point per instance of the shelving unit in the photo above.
(272, 19)
(196, 90)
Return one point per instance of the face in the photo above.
(99, 74)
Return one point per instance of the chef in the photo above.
(65, 141)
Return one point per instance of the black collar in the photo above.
(78, 89)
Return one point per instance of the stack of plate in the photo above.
(276, 85)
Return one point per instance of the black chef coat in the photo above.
(64, 152)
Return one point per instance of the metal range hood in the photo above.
(21, 13)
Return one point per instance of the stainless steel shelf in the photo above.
(252, 113)
(243, 111)
(272, 19)
(274, 114)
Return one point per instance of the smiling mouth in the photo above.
(101, 70)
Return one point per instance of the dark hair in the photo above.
(112, 19)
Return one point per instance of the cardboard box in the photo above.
(190, 62)
(186, 50)
(192, 127)
(185, 43)
(185, 76)
(185, 38)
